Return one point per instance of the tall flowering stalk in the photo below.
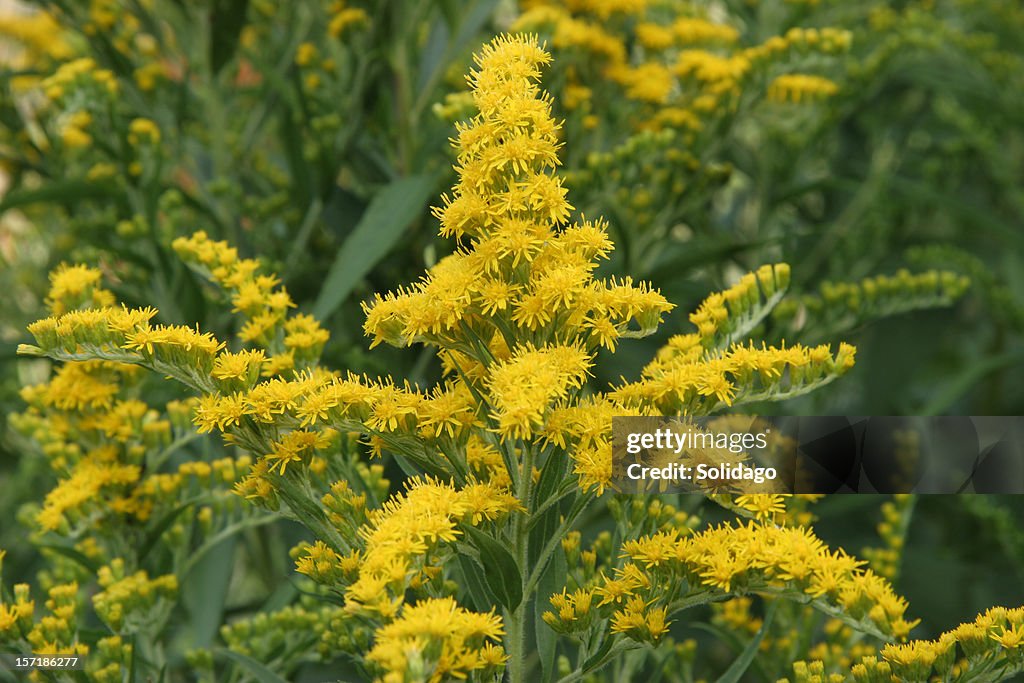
(446, 578)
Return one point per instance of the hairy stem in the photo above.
(517, 625)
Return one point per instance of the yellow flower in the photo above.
(438, 634)
(243, 366)
(305, 54)
(344, 19)
(800, 88)
(649, 82)
(524, 386)
(764, 506)
(1010, 638)
(143, 130)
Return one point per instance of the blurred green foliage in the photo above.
(313, 135)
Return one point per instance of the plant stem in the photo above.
(303, 504)
(517, 644)
(623, 645)
(533, 576)
(517, 618)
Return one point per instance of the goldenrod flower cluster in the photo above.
(674, 62)
(293, 630)
(263, 304)
(38, 33)
(764, 506)
(839, 306)
(991, 647)
(80, 73)
(462, 643)
(697, 371)
(95, 434)
(111, 656)
(16, 616)
(54, 632)
(131, 35)
(892, 530)
(780, 633)
(736, 615)
(122, 483)
(343, 16)
(74, 287)
(998, 297)
(404, 547)
(798, 88)
(403, 540)
(517, 271)
(503, 456)
(132, 600)
(755, 558)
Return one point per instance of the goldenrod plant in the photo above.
(481, 560)
(129, 518)
(714, 133)
(125, 123)
(683, 78)
(707, 133)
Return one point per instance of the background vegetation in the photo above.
(870, 145)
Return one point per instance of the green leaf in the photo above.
(71, 554)
(133, 669)
(450, 10)
(462, 22)
(259, 672)
(478, 594)
(551, 581)
(62, 192)
(226, 23)
(227, 532)
(965, 381)
(551, 476)
(205, 591)
(390, 212)
(742, 663)
(282, 596)
(501, 573)
(594, 661)
(436, 46)
(290, 132)
(735, 643)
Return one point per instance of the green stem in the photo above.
(623, 645)
(517, 619)
(304, 505)
(516, 644)
(557, 498)
(553, 543)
